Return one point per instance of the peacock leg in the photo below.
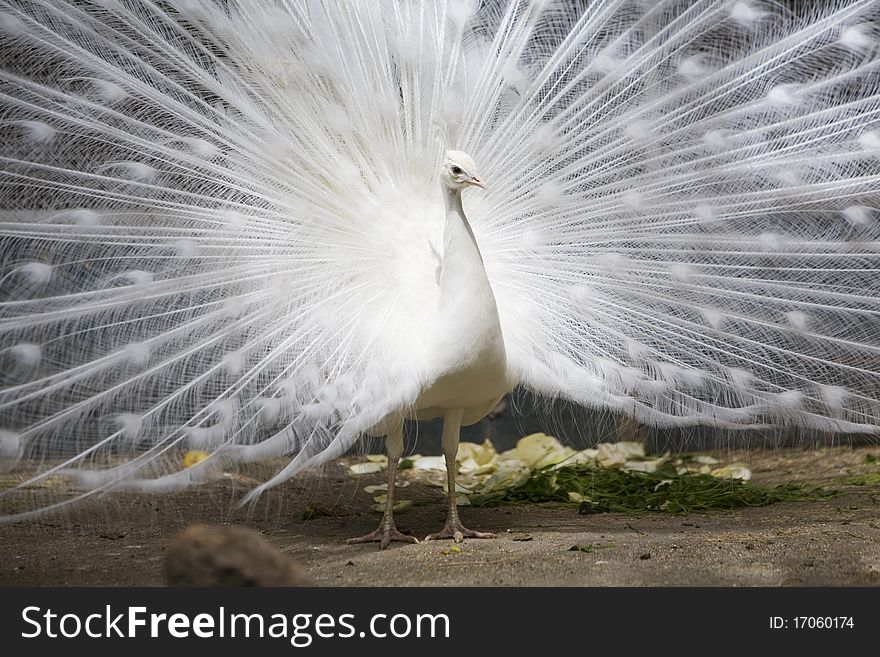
(387, 531)
(453, 528)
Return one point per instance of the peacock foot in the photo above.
(458, 532)
(383, 535)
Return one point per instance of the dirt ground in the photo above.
(121, 540)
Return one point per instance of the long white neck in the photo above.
(466, 343)
(462, 272)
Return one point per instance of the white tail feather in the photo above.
(220, 222)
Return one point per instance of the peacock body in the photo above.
(237, 227)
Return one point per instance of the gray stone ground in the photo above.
(122, 539)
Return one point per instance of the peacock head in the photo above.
(460, 171)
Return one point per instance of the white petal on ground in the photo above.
(366, 468)
(733, 471)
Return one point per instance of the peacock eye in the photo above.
(457, 170)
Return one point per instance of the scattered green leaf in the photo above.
(867, 479)
(605, 490)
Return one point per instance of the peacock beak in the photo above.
(477, 182)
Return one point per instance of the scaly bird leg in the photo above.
(453, 528)
(387, 530)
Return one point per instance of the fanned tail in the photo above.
(196, 233)
(217, 219)
(687, 226)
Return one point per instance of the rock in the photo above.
(227, 556)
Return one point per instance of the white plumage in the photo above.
(235, 226)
